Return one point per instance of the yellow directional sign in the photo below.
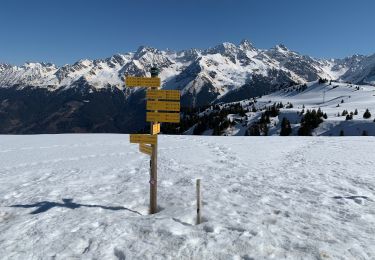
(144, 148)
(163, 105)
(163, 94)
(142, 82)
(157, 100)
(163, 117)
(155, 129)
(143, 138)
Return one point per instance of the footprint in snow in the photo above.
(4, 216)
(357, 199)
(119, 254)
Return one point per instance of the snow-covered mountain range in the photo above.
(202, 75)
(44, 92)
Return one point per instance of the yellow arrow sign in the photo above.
(155, 129)
(163, 94)
(163, 105)
(163, 117)
(142, 138)
(144, 148)
(142, 82)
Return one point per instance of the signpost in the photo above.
(155, 129)
(140, 81)
(163, 105)
(163, 117)
(163, 94)
(157, 100)
(144, 148)
(143, 139)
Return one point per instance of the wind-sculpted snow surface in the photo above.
(86, 197)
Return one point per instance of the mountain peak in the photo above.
(281, 47)
(4, 66)
(85, 62)
(142, 50)
(34, 65)
(223, 48)
(246, 45)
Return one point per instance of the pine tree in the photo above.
(254, 130)
(310, 121)
(341, 132)
(289, 105)
(344, 112)
(265, 130)
(321, 81)
(286, 129)
(367, 114)
(355, 112)
(199, 128)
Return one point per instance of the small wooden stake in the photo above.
(199, 204)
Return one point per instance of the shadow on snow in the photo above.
(44, 206)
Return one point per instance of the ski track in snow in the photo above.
(86, 197)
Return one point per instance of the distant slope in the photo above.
(333, 99)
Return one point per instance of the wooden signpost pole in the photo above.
(154, 162)
(163, 105)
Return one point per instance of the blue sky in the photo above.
(65, 31)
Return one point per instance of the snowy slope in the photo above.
(85, 197)
(332, 98)
(363, 72)
(329, 98)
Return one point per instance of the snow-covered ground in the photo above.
(332, 99)
(86, 197)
